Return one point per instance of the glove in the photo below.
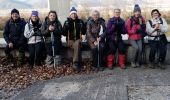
(139, 31)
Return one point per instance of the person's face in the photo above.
(95, 16)
(137, 13)
(34, 18)
(15, 16)
(73, 16)
(117, 13)
(155, 14)
(52, 16)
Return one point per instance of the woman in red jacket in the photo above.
(136, 28)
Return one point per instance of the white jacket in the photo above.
(152, 32)
(29, 32)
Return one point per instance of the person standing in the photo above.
(136, 28)
(115, 28)
(156, 29)
(14, 37)
(73, 29)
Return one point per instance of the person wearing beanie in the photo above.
(156, 28)
(35, 40)
(53, 26)
(115, 28)
(136, 29)
(73, 29)
(96, 33)
(14, 37)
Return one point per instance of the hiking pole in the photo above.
(52, 41)
(35, 53)
(98, 62)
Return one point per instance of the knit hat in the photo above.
(73, 10)
(14, 11)
(136, 8)
(34, 13)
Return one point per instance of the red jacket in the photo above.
(132, 27)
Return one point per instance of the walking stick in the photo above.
(35, 53)
(98, 59)
(52, 41)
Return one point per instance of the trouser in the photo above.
(121, 51)
(137, 50)
(35, 53)
(159, 48)
(76, 46)
(57, 47)
(97, 52)
(20, 48)
(117, 45)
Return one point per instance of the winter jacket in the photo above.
(47, 33)
(115, 27)
(134, 29)
(96, 29)
(14, 31)
(151, 30)
(33, 32)
(75, 27)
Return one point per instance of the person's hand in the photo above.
(98, 39)
(140, 21)
(157, 26)
(95, 43)
(51, 28)
(10, 45)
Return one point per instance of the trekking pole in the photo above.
(98, 62)
(35, 53)
(52, 41)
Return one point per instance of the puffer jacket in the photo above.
(96, 29)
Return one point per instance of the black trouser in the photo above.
(57, 47)
(117, 45)
(20, 47)
(35, 53)
(158, 47)
(95, 52)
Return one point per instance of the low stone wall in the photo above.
(86, 53)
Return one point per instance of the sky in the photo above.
(23, 4)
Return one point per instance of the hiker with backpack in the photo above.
(156, 29)
(115, 28)
(136, 29)
(73, 29)
(96, 33)
(35, 39)
(52, 31)
(14, 37)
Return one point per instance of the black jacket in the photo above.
(79, 27)
(14, 31)
(47, 33)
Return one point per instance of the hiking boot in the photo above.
(133, 65)
(161, 65)
(151, 65)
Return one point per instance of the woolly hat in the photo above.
(14, 11)
(34, 13)
(136, 8)
(73, 10)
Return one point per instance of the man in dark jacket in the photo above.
(74, 28)
(115, 28)
(96, 31)
(14, 36)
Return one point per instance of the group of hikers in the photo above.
(43, 40)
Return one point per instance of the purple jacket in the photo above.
(115, 27)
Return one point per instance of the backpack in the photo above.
(150, 22)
